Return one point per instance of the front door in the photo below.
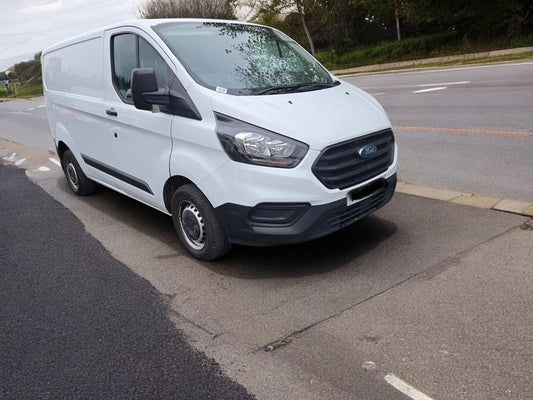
(140, 141)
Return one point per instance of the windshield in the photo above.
(243, 59)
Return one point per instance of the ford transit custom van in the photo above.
(231, 128)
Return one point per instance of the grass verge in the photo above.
(415, 64)
(415, 49)
(22, 91)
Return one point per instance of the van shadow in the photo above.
(310, 258)
(128, 211)
(245, 262)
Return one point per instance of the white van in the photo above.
(232, 128)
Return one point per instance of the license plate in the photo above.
(364, 192)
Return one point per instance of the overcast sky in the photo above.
(29, 26)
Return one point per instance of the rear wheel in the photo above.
(198, 227)
(77, 180)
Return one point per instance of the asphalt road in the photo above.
(468, 129)
(25, 122)
(77, 324)
(435, 294)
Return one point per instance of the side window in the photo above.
(124, 61)
(131, 51)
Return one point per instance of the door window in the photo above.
(129, 52)
(124, 61)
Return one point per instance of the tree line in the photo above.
(345, 24)
(25, 71)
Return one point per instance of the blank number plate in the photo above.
(365, 192)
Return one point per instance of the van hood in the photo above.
(319, 118)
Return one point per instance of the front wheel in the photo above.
(198, 227)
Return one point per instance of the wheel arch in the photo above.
(171, 185)
(61, 149)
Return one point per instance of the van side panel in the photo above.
(75, 69)
(73, 85)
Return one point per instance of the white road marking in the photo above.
(19, 162)
(405, 388)
(31, 109)
(444, 84)
(54, 161)
(43, 169)
(20, 112)
(11, 157)
(378, 94)
(482, 67)
(44, 105)
(431, 89)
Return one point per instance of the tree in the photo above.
(273, 9)
(300, 6)
(345, 24)
(28, 70)
(474, 19)
(397, 17)
(219, 9)
(327, 24)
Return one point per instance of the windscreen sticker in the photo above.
(221, 90)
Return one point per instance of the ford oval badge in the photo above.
(368, 151)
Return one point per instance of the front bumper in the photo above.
(270, 224)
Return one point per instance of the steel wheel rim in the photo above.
(192, 225)
(73, 176)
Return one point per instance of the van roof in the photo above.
(145, 24)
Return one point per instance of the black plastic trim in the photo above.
(340, 166)
(138, 183)
(314, 222)
(277, 214)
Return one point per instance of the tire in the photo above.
(198, 227)
(77, 180)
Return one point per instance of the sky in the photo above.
(29, 26)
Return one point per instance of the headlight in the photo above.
(250, 144)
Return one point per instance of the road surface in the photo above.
(468, 129)
(77, 324)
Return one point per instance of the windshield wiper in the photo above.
(278, 89)
(302, 87)
(296, 87)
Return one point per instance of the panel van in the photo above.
(231, 128)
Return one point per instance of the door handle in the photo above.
(112, 112)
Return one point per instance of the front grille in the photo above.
(340, 166)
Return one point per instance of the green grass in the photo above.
(22, 91)
(513, 57)
(510, 57)
(442, 45)
(28, 91)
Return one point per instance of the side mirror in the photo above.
(145, 91)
